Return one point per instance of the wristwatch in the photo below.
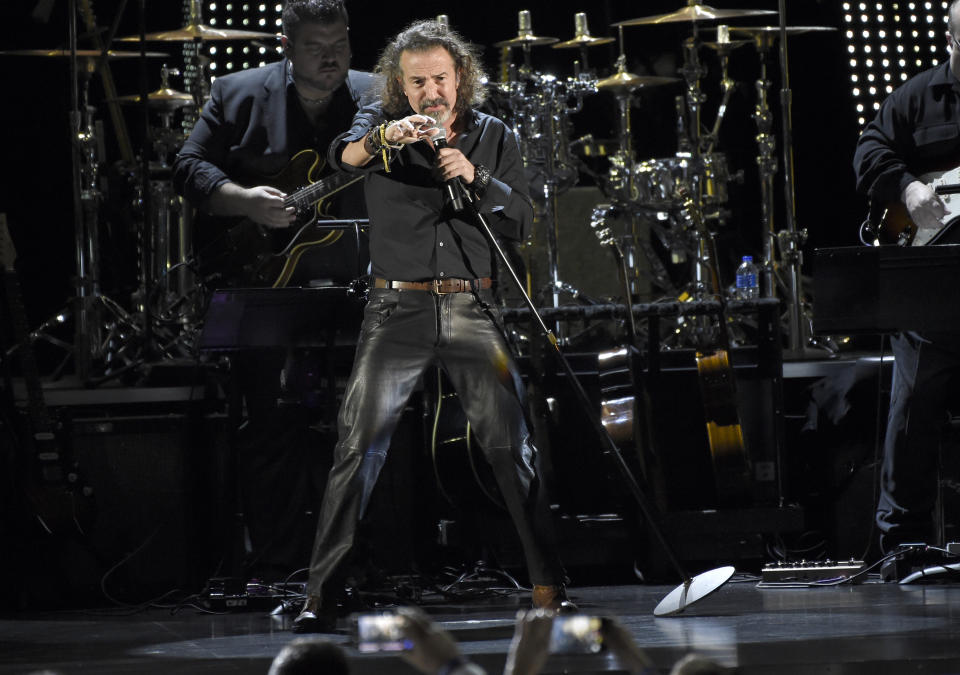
(481, 179)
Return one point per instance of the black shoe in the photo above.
(314, 618)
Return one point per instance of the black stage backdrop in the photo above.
(35, 193)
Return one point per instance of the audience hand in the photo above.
(433, 647)
(621, 643)
(531, 641)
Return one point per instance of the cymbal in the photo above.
(166, 98)
(695, 12)
(791, 30)
(198, 31)
(729, 45)
(584, 41)
(81, 53)
(623, 81)
(526, 40)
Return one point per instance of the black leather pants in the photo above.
(405, 332)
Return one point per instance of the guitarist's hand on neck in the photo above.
(925, 207)
(262, 204)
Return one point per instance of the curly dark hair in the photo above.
(421, 36)
(296, 12)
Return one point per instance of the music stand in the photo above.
(327, 318)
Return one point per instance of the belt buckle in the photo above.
(436, 287)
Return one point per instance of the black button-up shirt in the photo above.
(917, 130)
(413, 237)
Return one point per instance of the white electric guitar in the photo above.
(896, 227)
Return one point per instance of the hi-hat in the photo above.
(81, 53)
(694, 12)
(199, 31)
(166, 98)
(623, 81)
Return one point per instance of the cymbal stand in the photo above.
(727, 85)
(790, 239)
(89, 308)
(693, 71)
(767, 164)
(622, 181)
(542, 102)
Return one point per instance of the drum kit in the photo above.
(648, 202)
(167, 305)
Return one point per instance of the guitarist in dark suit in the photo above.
(917, 130)
(253, 124)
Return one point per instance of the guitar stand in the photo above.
(693, 588)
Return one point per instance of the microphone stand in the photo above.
(693, 588)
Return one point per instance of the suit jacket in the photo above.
(246, 131)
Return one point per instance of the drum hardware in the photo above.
(696, 177)
(539, 106)
(723, 46)
(89, 310)
(622, 185)
(790, 239)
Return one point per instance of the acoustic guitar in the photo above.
(273, 253)
(728, 449)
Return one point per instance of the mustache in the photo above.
(434, 102)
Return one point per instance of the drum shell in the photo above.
(656, 179)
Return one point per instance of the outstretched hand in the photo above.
(410, 129)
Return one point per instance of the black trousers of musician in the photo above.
(926, 371)
(404, 333)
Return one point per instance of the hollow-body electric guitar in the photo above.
(278, 250)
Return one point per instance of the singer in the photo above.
(431, 301)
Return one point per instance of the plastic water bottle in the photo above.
(748, 286)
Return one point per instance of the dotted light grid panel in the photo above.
(226, 57)
(888, 43)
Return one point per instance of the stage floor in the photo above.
(868, 628)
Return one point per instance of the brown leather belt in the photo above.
(438, 286)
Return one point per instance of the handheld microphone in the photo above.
(452, 187)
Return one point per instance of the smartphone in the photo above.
(381, 633)
(576, 634)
